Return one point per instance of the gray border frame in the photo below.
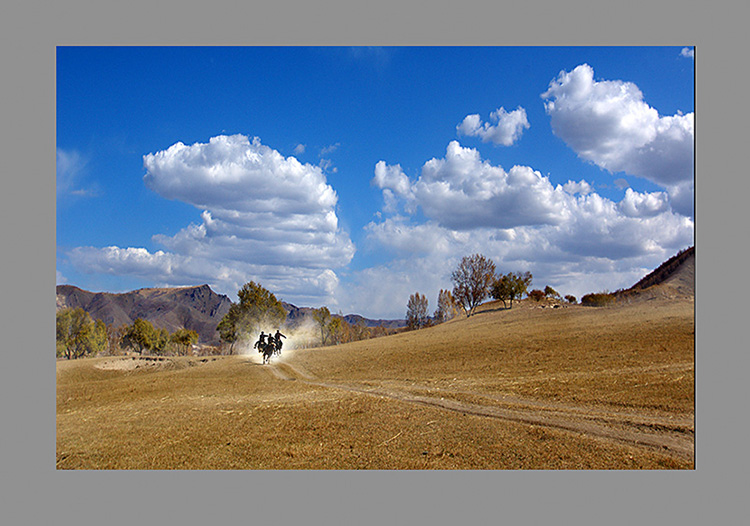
(34, 491)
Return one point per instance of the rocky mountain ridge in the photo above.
(196, 308)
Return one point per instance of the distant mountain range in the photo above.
(197, 308)
(296, 315)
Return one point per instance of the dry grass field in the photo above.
(527, 388)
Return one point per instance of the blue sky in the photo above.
(354, 177)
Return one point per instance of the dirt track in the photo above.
(669, 434)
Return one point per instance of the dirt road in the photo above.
(669, 434)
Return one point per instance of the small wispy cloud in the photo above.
(688, 52)
(299, 149)
(329, 149)
(378, 56)
(70, 165)
(327, 166)
(70, 175)
(621, 183)
(507, 129)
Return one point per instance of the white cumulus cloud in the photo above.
(636, 204)
(398, 235)
(608, 123)
(395, 185)
(265, 217)
(508, 127)
(581, 187)
(462, 191)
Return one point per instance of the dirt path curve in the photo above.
(278, 372)
(673, 435)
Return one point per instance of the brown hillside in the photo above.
(674, 279)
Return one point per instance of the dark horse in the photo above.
(268, 350)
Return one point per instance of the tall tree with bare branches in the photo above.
(472, 281)
(416, 311)
(446, 307)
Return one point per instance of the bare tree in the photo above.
(472, 281)
(446, 307)
(416, 311)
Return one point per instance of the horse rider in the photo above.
(261, 343)
(278, 337)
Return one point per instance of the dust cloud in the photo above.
(302, 336)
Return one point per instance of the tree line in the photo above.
(78, 335)
(474, 280)
(335, 330)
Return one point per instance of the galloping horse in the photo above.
(268, 350)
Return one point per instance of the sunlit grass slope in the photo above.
(638, 355)
(330, 408)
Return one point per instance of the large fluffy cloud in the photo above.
(600, 249)
(461, 191)
(507, 129)
(608, 123)
(232, 174)
(464, 193)
(265, 217)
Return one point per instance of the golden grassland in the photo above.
(526, 388)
